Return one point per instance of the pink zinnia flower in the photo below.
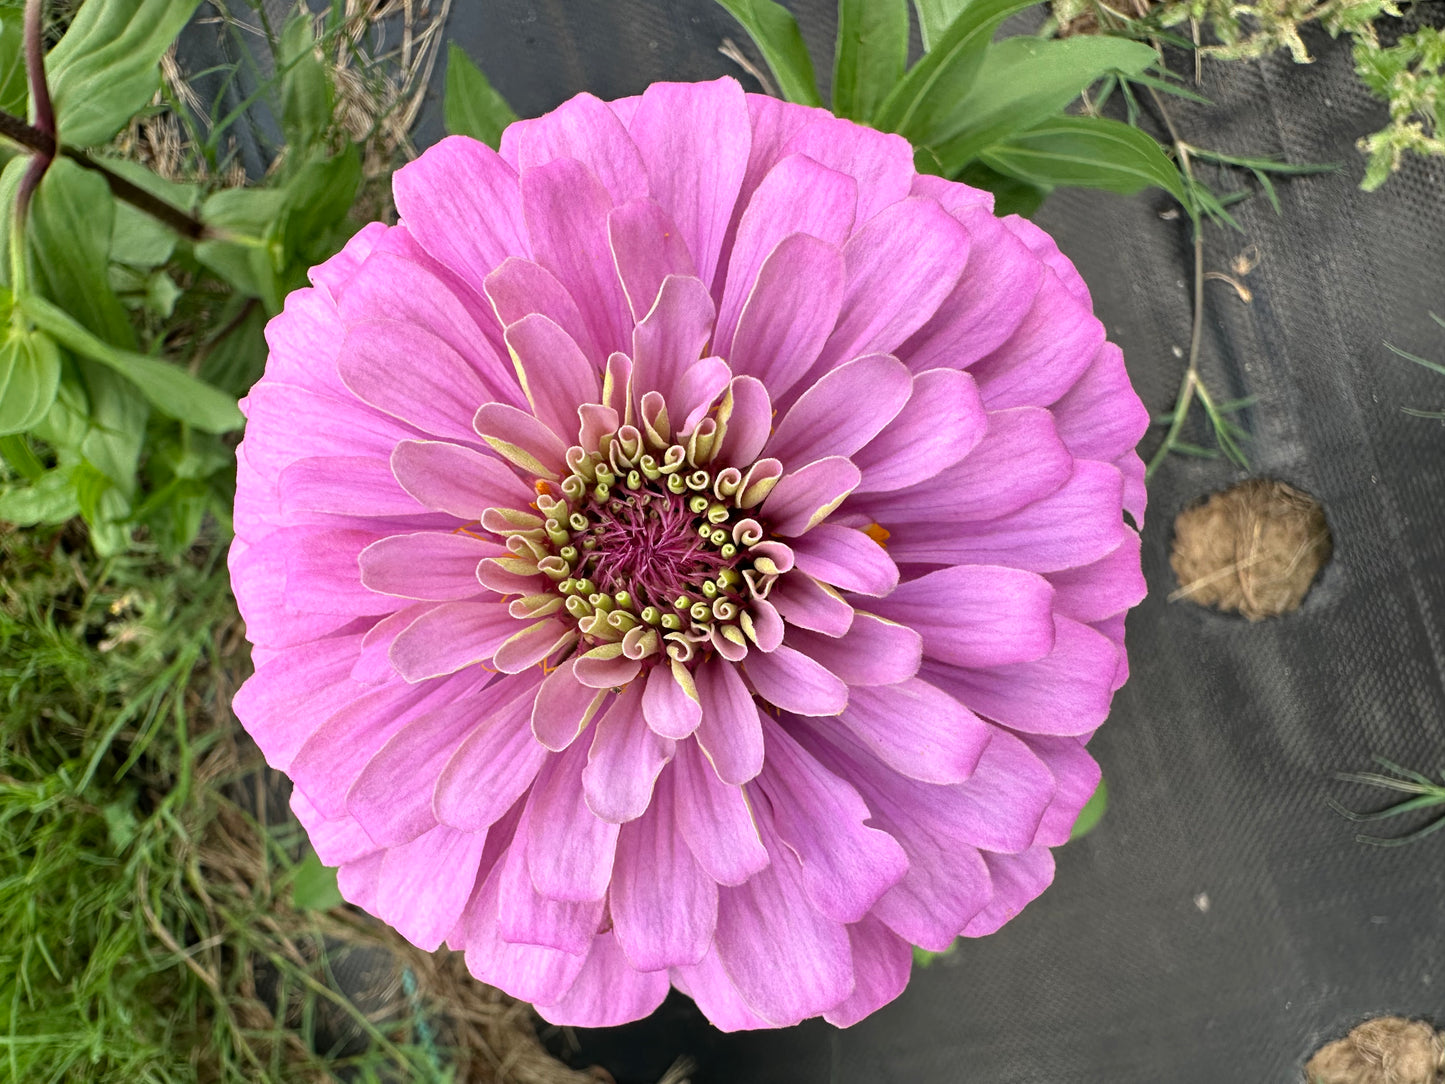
(688, 550)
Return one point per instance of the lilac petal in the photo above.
(954, 197)
(519, 288)
(730, 732)
(787, 960)
(564, 707)
(803, 498)
(977, 615)
(671, 337)
(424, 885)
(1045, 356)
(586, 130)
(566, 210)
(525, 917)
(449, 637)
(1021, 447)
(1044, 247)
(343, 485)
(457, 480)
(336, 840)
(882, 164)
(1067, 692)
(792, 681)
(766, 628)
(874, 651)
(788, 314)
(624, 760)
(607, 992)
(900, 266)
(529, 972)
(798, 196)
(942, 422)
(280, 703)
(1000, 806)
(491, 768)
(1017, 880)
(322, 574)
(843, 411)
(882, 962)
(359, 882)
(304, 340)
(460, 201)
(1135, 492)
(715, 819)
(569, 849)
(646, 249)
(332, 276)
(699, 388)
(335, 752)
(1076, 776)
(606, 668)
(260, 594)
(917, 730)
(1076, 525)
(846, 866)
(847, 559)
(993, 296)
(748, 413)
(1101, 417)
(532, 645)
(1111, 585)
(556, 376)
(664, 906)
(522, 439)
(298, 423)
(429, 566)
(695, 138)
(671, 704)
(709, 986)
(808, 604)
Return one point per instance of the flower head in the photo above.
(688, 550)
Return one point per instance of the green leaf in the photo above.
(29, 379)
(249, 256)
(926, 106)
(1025, 80)
(1086, 152)
(934, 17)
(70, 223)
(107, 66)
(49, 499)
(137, 239)
(471, 106)
(776, 34)
(170, 389)
(307, 97)
(871, 54)
(1011, 196)
(21, 458)
(1092, 812)
(14, 94)
(317, 200)
(314, 887)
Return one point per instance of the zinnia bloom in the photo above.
(688, 550)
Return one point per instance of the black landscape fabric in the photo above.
(1222, 921)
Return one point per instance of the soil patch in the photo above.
(1386, 1050)
(1252, 549)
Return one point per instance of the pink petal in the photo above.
(491, 768)
(694, 138)
(882, 962)
(843, 411)
(1000, 806)
(569, 849)
(522, 439)
(846, 558)
(457, 480)
(730, 732)
(792, 681)
(298, 423)
(424, 885)
(845, 866)
(664, 906)
(343, 485)
(1110, 585)
(882, 164)
(1044, 247)
(671, 704)
(461, 202)
(280, 703)
(336, 840)
(534, 644)
(977, 615)
(1046, 354)
(624, 760)
(805, 497)
(715, 819)
(529, 972)
(556, 376)
(322, 574)
(564, 707)
(1067, 692)
(607, 992)
(806, 603)
(671, 337)
(605, 672)
(1017, 880)
(1101, 417)
(429, 566)
(525, 917)
(583, 129)
(1076, 777)
(519, 288)
(708, 984)
(917, 730)
(332, 276)
(449, 637)
(749, 422)
(874, 651)
(646, 248)
(942, 422)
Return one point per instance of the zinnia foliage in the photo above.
(688, 550)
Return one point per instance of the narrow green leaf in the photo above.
(1025, 80)
(317, 200)
(1011, 196)
(314, 886)
(107, 66)
(1086, 152)
(871, 54)
(776, 34)
(14, 94)
(1092, 812)
(29, 379)
(934, 17)
(16, 452)
(307, 96)
(926, 105)
(171, 390)
(471, 106)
